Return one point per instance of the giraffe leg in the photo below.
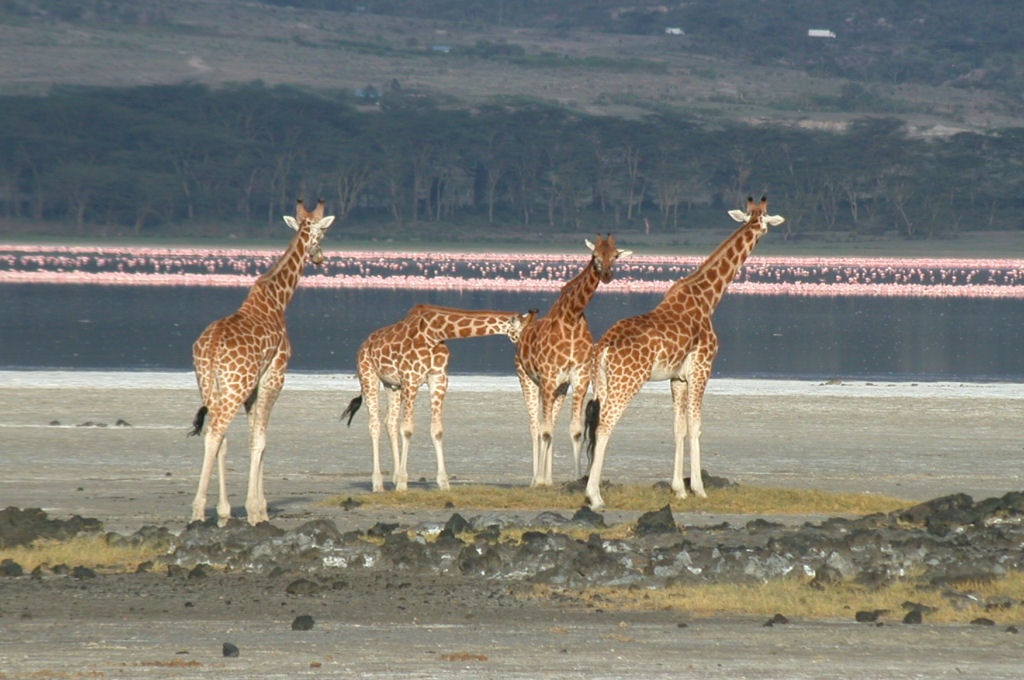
(259, 418)
(579, 396)
(211, 452)
(613, 397)
(531, 395)
(214, 451)
(393, 433)
(679, 425)
(694, 401)
(438, 384)
(371, 396)
(408, 424)
(552, 397)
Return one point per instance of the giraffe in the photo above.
(675, 342)
(241, 360)
(402, 357)
(552, 356)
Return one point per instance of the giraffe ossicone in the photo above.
(552, 358)
(676, 342)
(403, 356)
(240, 360)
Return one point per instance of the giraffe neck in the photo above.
(277, 285)
(576, 295)
(709, 282)
(446, 323)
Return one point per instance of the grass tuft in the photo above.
(731, 500)
(81, 551)
(796, 599)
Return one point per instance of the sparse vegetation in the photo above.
(91, 551)
(733, 500)
(796, 599)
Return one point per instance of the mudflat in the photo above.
(113, 447)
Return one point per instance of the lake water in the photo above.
(94, 327)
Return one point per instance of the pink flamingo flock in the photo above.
(811, 276)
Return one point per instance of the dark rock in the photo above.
(302, 586)
(826, 576)
(869, 615)
(229, 650)
(349, 504)
(656, 522)
(82, 573)
(913, 616)
(982, 621)
(303, 622)
(457, 524)
(199, 571)
(778, 619)
(381, 529)
(21, 527)
(10, 568)
(588, 517)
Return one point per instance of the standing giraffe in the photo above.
(552, 356)
(675, 342)
(404, 355)
(241, 360)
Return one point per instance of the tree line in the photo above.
(188, 159)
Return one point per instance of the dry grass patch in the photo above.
(82, 551)
(732, 500)
(795, 599)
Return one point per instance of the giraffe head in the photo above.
(604, 256)
(757, 212)
(514, 325)
(315, 222)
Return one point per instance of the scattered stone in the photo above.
(869, 615)
(381, 529)
(349, 504)
(21, 527)
(82, 573)
(982, 621)
(302, 586)
(457, 524)
(10, 568)
(229, 650)
(122, 423)
(777, 619)
(826, 576)
(303, 622)
(587, 516)
(656, 522)
(913, 616)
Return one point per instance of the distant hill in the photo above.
(926, 62)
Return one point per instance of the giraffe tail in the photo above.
(353, 406)
(592, 416)
(197, 424)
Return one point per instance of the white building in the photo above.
(820, 33)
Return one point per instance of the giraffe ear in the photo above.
(624, 253)
(739, 215)
(290, 221)
(774, 220)
(324, 223)
(589, 244)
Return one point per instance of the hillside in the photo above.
(562, 58)
(510, 121)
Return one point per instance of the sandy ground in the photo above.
(61, 450)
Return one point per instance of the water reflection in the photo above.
(123, 327)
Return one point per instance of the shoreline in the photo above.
(474, 382)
